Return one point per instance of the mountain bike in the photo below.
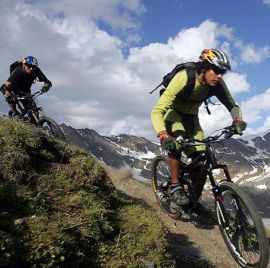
(239, 222)
(31, 113)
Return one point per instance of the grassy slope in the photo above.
(58, 208)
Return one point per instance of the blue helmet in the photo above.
(30, 60)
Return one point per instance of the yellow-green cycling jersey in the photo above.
(189, 105)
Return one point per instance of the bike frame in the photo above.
(243, 233)
(210, 163)
(33, 112)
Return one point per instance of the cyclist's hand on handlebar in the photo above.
(239, 125)
(170, 143)
(167, 142)
(8, 95)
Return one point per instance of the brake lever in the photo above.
(186, 143)
(230, 132)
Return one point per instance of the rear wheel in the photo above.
(241, 227)
(52, 128)
(160, 177)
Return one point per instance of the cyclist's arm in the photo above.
(225, 97)
(8, 86)
(42, 78)
(166, 100)
(15, 79)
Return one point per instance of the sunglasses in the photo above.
(28, 65)
(218, 71)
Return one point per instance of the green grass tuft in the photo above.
(59, 208)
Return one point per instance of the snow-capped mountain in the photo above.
(123, 151)
(248, 157)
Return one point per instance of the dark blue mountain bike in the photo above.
(239, 222)
(31, 113)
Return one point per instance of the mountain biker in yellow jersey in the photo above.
(173, 117)
(23, 75)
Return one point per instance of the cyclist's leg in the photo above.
(26, 104)
(198, 177)
(198, 174)
(12, 108)
(193, 129)
(11, 103)
(175, 128)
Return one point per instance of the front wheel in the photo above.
(241, 227)
(52, 128)
(160, 177)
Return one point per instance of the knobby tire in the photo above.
(245, 235)
(160, 173)
(52, 128)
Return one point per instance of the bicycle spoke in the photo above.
(160, 178)
(162, 172)
(51, 128)
(241, 227)
(240, 224)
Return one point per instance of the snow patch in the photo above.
(262, 186)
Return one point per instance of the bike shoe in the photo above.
(178, 195)
(10, 113)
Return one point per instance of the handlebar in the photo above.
(30, 96)
(224, 134)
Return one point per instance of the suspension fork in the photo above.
(34, 116)
(217, 191)
(20, 107)
(215, 188)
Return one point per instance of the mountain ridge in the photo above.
(248, 160)
(246, 157)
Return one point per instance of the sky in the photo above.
(104, 56)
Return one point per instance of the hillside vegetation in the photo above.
(59, 208)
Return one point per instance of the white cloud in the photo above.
(130, 125)
(266, 124)
(219, 118)
(265, 127)
(267, 2)
(185, 46)
(261, 101)
(117, 14)
(96, 82)
(253, 108)
(236, 82)
(251, 54)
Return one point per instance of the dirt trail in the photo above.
(200, 247)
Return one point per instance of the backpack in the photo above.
(14, 65)
(187, 90)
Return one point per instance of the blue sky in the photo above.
(104, 56)
(249, 18)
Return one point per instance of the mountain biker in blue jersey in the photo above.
(173, 117)
(23, 75)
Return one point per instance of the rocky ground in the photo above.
(199, 244)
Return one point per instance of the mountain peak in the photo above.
(247, 157)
